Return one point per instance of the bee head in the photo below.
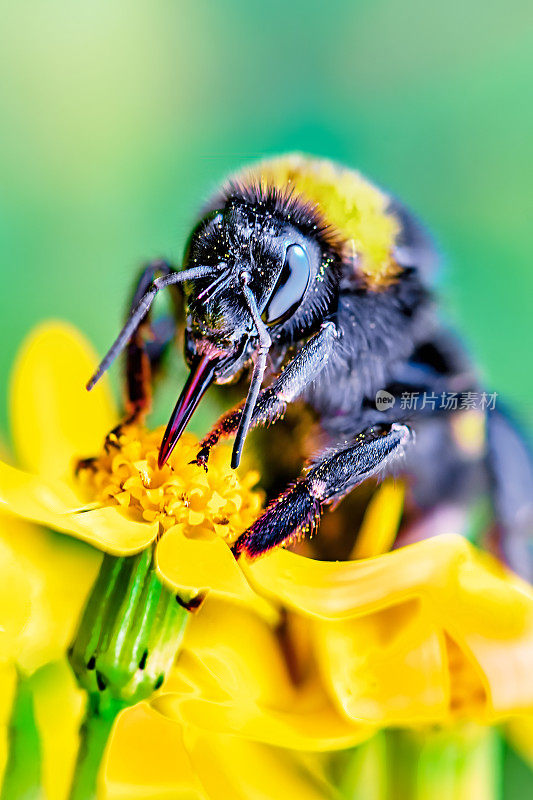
(272, 276)
(289, 269)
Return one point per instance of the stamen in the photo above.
(181, 493)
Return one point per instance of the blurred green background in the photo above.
(119, 117)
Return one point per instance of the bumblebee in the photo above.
(307, 276)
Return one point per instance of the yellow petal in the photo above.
(146, 759)
(151, 758)
(388, 667)
(489, 614)
(381, 521)
(343, 589)
(58, 706)
(44, 581)
(8, 684)
(54, 504)
(54, 419)
(465, 601)
(231, 767)
(197, 566)
(231, 678)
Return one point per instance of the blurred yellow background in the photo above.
(118, 118)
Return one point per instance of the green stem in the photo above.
(22, 777)
(462, 762)
(94, 734)
(360, 773)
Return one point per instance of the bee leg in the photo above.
(297, 511)
(143, 353)
(273, 400)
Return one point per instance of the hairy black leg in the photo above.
(272, 401)
(297, 511)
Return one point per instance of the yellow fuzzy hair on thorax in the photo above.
(352, 207)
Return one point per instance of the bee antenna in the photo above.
(140, 311)
(258, 373)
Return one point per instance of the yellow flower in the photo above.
(249, 692)
(121, 503)
(46, 578)
(285, 651)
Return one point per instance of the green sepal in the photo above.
(129, 633)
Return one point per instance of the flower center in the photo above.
(182, 493)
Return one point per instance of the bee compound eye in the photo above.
(290, 286)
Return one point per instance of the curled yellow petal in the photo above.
(146, 759)
(468, 622)
(152, 758)
(343, 589)
(231, 677)
(54, 504)
(54, 419)
(388, 667)
(489, 614)
(194, 567)
(231, 767)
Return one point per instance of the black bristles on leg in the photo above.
(140, 311)
(226, 426)
(295, 512)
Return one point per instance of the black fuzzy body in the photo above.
(346, 338)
